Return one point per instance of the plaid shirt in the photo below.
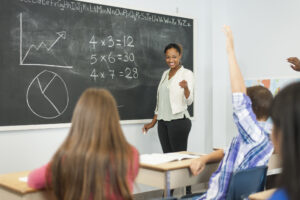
(250, 148)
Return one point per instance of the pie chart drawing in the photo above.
(47, 95)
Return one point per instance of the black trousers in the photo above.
(173, 135)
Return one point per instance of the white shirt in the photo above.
(176, 93)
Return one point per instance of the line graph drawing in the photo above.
(61, 34)
(42, 45)
(47, 95)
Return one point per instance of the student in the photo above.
(252, 146)
(295, 63)
(95, 161)
(285, 113)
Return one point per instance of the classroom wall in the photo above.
(266, 32)
(28, 149)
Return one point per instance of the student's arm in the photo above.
(136, 162)
(236, 77)
(198, 165)
(134, 165)
(295, 63)
(244, 117)
(37, 178)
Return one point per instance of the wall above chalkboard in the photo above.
(52, 50)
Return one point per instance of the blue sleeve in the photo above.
(279, 194)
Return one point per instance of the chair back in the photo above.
(245, 182)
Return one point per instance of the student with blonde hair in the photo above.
(95, 161)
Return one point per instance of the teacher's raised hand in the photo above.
(183, 84)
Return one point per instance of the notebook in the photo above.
(159, 158)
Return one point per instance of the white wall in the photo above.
(266, 32)
(25, 150)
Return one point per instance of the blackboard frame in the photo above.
(140, 121)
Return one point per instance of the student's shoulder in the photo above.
(279, 194)
(240, 99)
(135, 161)
(239, 95)
(37, 177)
(135, 152)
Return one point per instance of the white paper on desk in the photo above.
(23, 179)
(158, 158)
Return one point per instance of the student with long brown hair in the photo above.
(285, 113)
(95, 161)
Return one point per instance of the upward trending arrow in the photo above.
(62, 35)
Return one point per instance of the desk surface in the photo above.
(12, 182)
(171, 165)
(274, 163)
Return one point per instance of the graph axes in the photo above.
(61, 35)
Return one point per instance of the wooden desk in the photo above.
(164, 176)
(177, 174)
(172, 175)
(262, 195)
(11, 188)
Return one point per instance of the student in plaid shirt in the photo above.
(252, 146)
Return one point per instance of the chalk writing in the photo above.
(40, 46)
(104, 10)
(128, 73)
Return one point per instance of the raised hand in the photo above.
(295, 63)
(183, 84)
(229, 38)
(236, 77)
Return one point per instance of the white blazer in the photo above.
(176, 93)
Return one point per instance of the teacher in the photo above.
(174, 95)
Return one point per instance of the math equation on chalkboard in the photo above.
(113, 61)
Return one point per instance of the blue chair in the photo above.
(245, 182)
(242, 184)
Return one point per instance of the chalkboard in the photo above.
(52, 50)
